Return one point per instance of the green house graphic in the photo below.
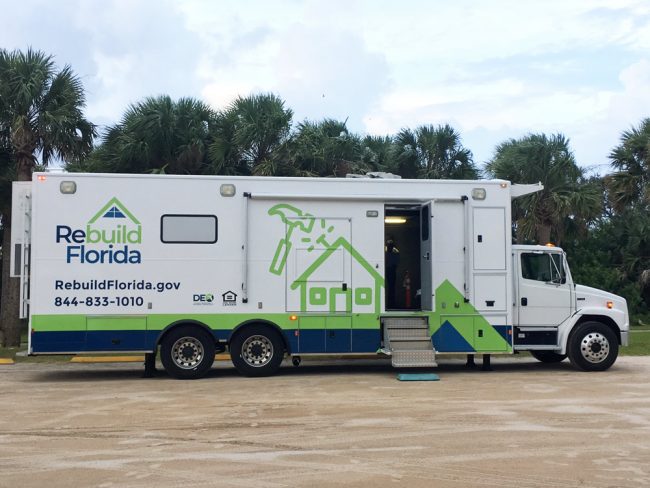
(114, 209)
(317, 295)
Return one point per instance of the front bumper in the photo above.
(625, 338)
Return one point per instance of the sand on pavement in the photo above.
(351, 423)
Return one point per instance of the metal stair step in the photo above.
(411, 345)
(408, 322)
(413, 359)
(398, 334)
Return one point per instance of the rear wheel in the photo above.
(257, 350)
(187, 352)
(592, 347)
(548, 356)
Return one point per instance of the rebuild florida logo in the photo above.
(105, 239)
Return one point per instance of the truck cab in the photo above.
(553, 317)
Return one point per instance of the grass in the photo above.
(639, 342)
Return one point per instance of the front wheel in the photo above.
(592, 347)
(257, 350)
(187, 352)
(548, 356)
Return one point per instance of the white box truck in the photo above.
(272, 267)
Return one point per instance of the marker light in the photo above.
(610, 304)
(478, 193)
(40, 177)
(68, 187)
(227, 190)
(550, 244)
(395, 220)
(293, 317)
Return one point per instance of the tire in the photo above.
(548, 356)
(592, 347)
(187, 352)
(257, 350)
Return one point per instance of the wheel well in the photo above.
(263, 322)
(603, 320)
(183, 323)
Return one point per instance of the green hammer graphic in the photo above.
(292, 217)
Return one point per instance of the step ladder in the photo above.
(408, 342)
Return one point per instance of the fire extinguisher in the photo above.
(406, 284)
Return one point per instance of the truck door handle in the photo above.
(524, 301)
(427, 256)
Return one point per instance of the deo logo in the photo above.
(203, 298)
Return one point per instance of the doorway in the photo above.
(402, 261)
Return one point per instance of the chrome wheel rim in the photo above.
(187, 352)
(257, 351)
(594, 347)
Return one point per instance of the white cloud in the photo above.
(112, 76)
(321, 71)
(492, 69)
(593, 118)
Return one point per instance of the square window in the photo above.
(363, 296)
(317, 296)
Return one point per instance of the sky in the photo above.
(493, 70)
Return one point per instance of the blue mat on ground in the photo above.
(418, 377)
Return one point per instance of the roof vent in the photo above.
(376, 174)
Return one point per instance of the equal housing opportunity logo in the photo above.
(229, 299)
(109, 237)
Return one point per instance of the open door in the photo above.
(426, 257)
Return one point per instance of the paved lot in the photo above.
(337, 424)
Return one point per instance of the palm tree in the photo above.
(379, 153)
(41, 119)
(433, 152)
(630, 184)
(225, 155)
(156, 135)
(253, 132)
(325, 148)
(629, 195)
(567, 197)
(42, 108)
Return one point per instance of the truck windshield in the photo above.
(545, 267)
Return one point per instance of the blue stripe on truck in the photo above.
(306, 341)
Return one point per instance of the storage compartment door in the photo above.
(488, 338)
(490, 293)
(489, 238)
(338, 337)
(105, 333)
(311, 338)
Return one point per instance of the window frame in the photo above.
(555, 265)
